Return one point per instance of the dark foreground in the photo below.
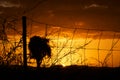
(59, 73)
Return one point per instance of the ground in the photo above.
(59, 73)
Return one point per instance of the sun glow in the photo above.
(66, 54)
(63, 65)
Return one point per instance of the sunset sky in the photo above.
(96, 15)
(101, 14)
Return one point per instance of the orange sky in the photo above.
(76, 21)
(84, 47)
(77, 46)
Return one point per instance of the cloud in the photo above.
(7, 4)
(95, 6)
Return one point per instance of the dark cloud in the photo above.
(98, 14)
(7, 4)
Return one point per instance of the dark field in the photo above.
(59, 73)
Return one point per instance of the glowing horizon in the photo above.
(77, 47)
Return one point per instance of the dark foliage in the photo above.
(39, 48)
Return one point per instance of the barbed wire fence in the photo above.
(82, 46)
(70, 46)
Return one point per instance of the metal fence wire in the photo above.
(70, 45)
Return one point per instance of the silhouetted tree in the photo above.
(39, 48)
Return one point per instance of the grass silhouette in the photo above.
(58, 72)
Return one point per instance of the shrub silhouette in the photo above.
(39, 48)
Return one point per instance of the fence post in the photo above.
(24, 41)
